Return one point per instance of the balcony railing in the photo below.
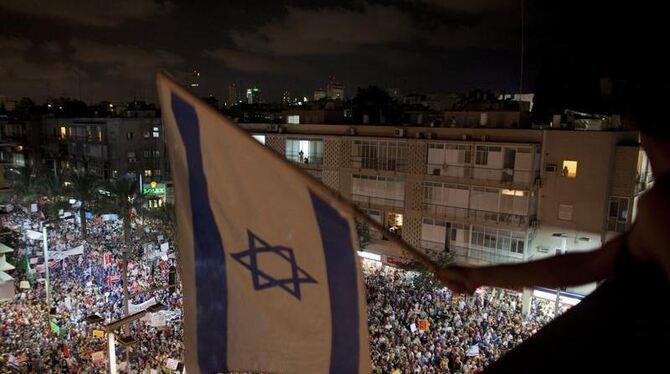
(370, 163)
(456, 213)
(487, 256)
(313, 161)
(613, 224)
(370, 201)
(510, 176)
(433, 246)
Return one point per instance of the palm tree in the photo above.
(22, 180)
(85, 188)
(122, 194)
(165, 218)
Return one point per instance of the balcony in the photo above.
(464, 255)
(473, 215)
(374, 163)
(371, 201)
(502, 176)
(613, 224)
(307, 162)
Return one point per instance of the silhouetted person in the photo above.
(624, 325)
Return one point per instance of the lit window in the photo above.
(513, 192)
(63, 132)
(129, 135)
(147, 134)
(147, 172)
(569, 169)
(156, 133)
(293, 119)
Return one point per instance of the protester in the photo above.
(83, 285)
(462, 334)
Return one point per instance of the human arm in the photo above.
(558, 271)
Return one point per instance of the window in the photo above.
(147, 172)
(131, 157)
(63, 132)
(565, 212)
(156, 154)
(157, 172)
(147, 134)
(156, 133)
(129, 135)
(569, 169)
(617, 217)
(481, 157)
(147, 154)
(294, 120)
(259, 138)
(379, 155)
(305, 151)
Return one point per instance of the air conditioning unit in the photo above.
(351, 131)
(465, 137)
(550, 168)
(399, 133)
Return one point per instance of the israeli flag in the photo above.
(272, 282)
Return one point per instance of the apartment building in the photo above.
(110, 148)
(485, 195)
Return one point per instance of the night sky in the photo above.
(111, 50)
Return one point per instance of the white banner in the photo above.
(135, 308)
(33, 235)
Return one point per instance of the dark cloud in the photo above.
(327, 31)
(89, 12)
(111, 48)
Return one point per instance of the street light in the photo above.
(124, 341)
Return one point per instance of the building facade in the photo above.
(484, 195)
(111, 148)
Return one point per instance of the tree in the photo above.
(164, 217)
(376, 103)
(22, 180)
(84, 187)
(364, 235)
(123, 192)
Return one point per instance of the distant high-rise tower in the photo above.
(233, 94)
(253, 95)
(195, 79)
(319, 94)
(334, 90)
(286, 97)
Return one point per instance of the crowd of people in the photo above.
(33, 340)
(413, 328)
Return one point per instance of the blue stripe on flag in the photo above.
(210, 264)
(341, 266)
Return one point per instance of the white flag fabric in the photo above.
(271, 279)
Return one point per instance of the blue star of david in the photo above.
(263, 280)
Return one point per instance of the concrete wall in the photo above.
(588, 192)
